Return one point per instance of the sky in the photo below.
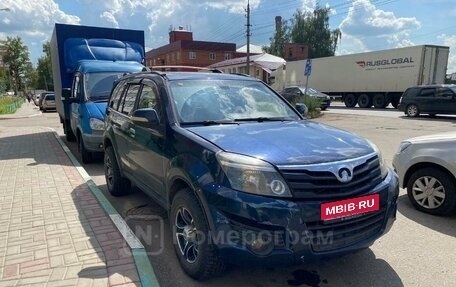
(366, 25)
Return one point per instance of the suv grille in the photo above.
(309, 184)
(340, 234)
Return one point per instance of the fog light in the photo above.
(261, 246)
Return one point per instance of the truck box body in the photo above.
(387, 72)
(85, 62)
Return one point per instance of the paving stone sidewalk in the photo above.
(53, 232)
(25, 111)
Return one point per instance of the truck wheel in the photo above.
(86, 156)
(350, 101)
(379, 101)
(117, 185)
(197, 255)
(412, 111)
(69, 135)
(364, 101)
(432, 191)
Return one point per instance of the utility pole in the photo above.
(248, 37)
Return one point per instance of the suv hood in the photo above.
(286, 143)
(446, 136)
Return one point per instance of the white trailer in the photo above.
(372, 78)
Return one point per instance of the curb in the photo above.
(142, 262)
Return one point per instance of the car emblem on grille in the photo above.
(344, 174)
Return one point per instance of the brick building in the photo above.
(183, 50)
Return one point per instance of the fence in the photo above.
(10, 108)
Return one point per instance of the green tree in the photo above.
(278, 41)
(312, 28)
(16, 57)
(43, 77)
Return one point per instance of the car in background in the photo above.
(245, 178)
(426, 167)
(292, 92)
(48, 102)
(41, 98)
(428, 99)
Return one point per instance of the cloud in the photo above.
(377, 28)
(450, 40)
(232, 6)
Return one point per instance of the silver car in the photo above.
(426, 166)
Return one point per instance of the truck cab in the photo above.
(90, 91)
(86, 61)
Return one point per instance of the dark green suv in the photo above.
(244, 177)
(428, 99)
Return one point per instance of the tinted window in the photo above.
(411, 92)
(130, 99)
(116, 93)
(149, 99)
(427, 92)
(50, 98)
(444, 92)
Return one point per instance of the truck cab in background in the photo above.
(85, 62)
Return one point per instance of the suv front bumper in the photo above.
(294, 226)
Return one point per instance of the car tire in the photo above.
(117, 184)
(412, 111)
(86, 156)
(379, 101)
(441, 187)
(364, 101)
(350, 101)
(323, 108)
(197, 256)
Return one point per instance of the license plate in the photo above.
(349, 207)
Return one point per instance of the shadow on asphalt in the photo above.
(432, 119)
(445, 225)
(28, 146)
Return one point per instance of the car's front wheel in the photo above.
(117, 185)
(432, 191)
(412, 111)
(197, 255)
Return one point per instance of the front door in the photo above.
(445, 101)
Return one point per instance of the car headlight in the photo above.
(383, 166)
(252, 175)
(96, 124)
(403, 146)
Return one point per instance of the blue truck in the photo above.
(85, 63)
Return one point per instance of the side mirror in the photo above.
(302, 109)
(145, 117)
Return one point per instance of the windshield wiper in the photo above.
(263, 119)
(211, 123)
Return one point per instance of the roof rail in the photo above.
(241, 74)
(177, 68)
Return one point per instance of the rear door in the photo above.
(425, 100)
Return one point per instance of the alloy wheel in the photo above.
(428, 192)
(186, 235)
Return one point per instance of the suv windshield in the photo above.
(99, 85)
(227, 100)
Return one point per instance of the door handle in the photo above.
(132, 132)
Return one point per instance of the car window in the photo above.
(149, 98)
(129, 99)
(50, 98)
(116, 93)
(427, 92)
(444, 92)
(411, 92)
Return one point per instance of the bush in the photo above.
(9, 105)
(313, 104)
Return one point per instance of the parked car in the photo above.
(296, 91)
(245, 178)
(428, 99)
(41, 98)
(48, 102)
(427, 169)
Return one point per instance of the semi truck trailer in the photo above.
(373, 78)
(85, 63)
